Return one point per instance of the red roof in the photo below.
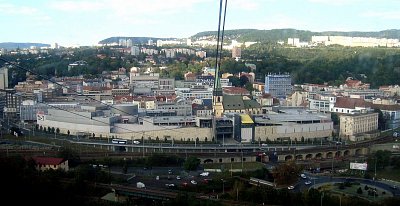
(48, 160)
(351, 103)
(235, 90)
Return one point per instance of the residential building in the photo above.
(278, 85)
(47, 163)
(347, 105)
(3, 78)
(354, 127)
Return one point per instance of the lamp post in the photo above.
(223, 186)
(322, 196)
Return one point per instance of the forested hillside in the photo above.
(282, 34)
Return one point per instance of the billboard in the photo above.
(358, 166)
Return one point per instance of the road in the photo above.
(322, 179)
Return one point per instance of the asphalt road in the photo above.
(322, 179)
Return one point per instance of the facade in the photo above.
(391, 113)
(46, 163)
(236, 52)
(278, 85)
(352, 125)
(3, 78)
(291, 124)
(345, 105)
(319, 105)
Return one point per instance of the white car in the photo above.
(303, 176)
(307, 182)
(178, 177)
(136, 142)
(204, 174)
(193, 182)
(291, 187)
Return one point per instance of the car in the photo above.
(204, 174)
(193, 182)
(393, 187)
(307, 182)
(157, 177)
(184, 184)
(136, 142)
(178, 177)
(16, 131)
(264, 145)
(170, 185)
(291, 187)
(303, 176)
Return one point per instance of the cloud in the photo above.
(78, 6)
(33, 14)
(11, 9)
(392, 15)
(126, 6)
(249, 5)
(336, 2)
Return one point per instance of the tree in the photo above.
(58, 130)
(191, 163)
(382, 158)
(286, 173)
(68, 132)
(335, 118)
(381, 120)
(359, 191)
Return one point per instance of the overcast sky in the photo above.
(86, 22)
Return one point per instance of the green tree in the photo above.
(191, 163)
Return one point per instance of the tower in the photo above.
(218, 107)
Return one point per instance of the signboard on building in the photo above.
(40, 116)
(358, 166)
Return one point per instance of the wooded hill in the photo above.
(274, 35)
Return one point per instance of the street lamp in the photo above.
(322, 196)
(223, 186)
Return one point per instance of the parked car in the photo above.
(178, 177)
(303, 176)
(193, 182)
(16, 131)
(140, 185)
(307, 182)
(291, 187)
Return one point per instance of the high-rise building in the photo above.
(3, 78)
(135, 51)
(122, 42)
(236, 52)
(129, 43)
(150, 42)
(278, 85)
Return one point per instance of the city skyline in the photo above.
(69, 22)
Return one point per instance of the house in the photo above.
(46, 163)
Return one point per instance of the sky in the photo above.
(86, 22)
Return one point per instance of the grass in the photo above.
(389, 173)
(248, 166)
(352, 191)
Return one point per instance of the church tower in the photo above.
(218, 107)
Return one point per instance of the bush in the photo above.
(341, 186)
(359, 191)
(366, 187)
